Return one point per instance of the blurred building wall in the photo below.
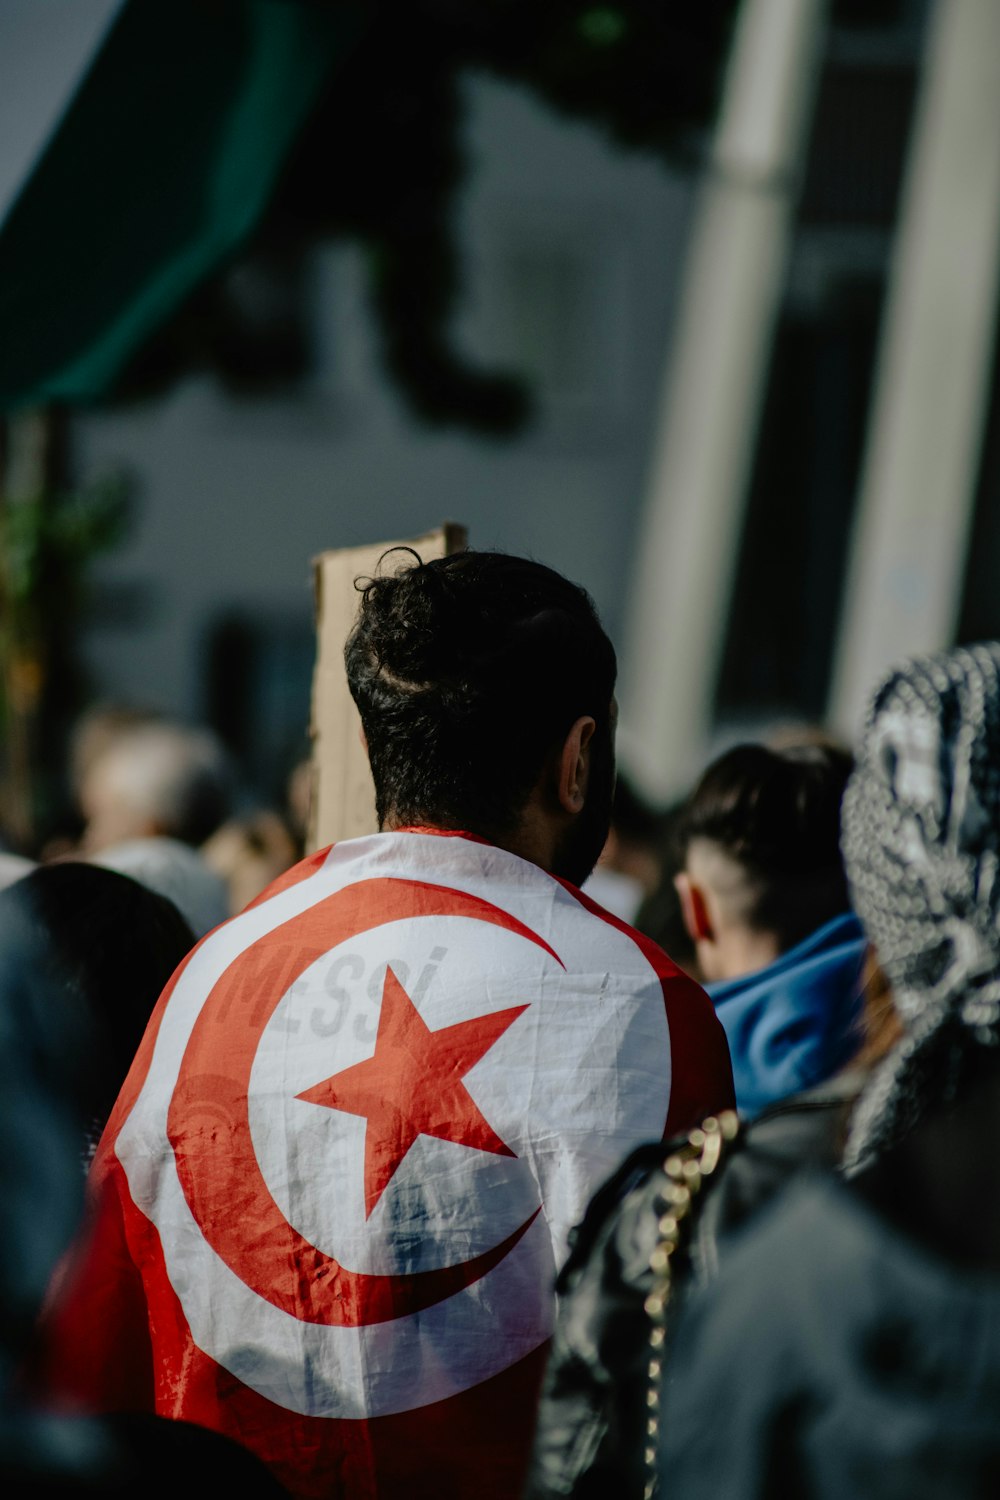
(572, 253)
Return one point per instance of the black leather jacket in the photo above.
(592, 1417)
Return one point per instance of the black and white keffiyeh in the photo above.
(921, 842)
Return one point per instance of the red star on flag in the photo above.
(412, 1085)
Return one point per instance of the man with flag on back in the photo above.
(333, 1196)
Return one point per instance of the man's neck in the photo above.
(532, 839)
(743, 951)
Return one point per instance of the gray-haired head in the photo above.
(155, 778)
(921, 843)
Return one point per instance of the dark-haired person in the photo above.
(763, 892)
(764, 898)
(341, 1177)
(630, 868)
(112, 945)
(53, 1065)
(851, 1344)
(150, 792)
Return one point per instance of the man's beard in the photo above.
(580, 847)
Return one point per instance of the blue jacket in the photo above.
(795, 1023)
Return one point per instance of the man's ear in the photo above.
(573, 769)
(694, 909)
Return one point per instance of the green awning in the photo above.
(159, 169)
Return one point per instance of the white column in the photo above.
(919, 474)
(713, 394)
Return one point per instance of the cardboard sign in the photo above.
(343, 797)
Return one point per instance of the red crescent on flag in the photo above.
(209, 1128)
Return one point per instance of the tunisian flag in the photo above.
(334, 1193)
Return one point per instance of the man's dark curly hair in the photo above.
(467, 671)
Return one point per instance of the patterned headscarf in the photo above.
(921, 842)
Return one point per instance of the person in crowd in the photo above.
(95, 733)
(93, 736)
(335, 1190)
(764, 899)
(851, 1345)
(113, 946)
(298, 801)
(52, 1046)
(247, 853)
(175, 871)
(660, 916)
(630, 866)
(46, 1048)
(150, 791)
(763, 893)
(13, 867)
(150, 778)
(592, 1434)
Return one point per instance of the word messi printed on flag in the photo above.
(335, 1191)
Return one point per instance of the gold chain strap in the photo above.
(686, 1170)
